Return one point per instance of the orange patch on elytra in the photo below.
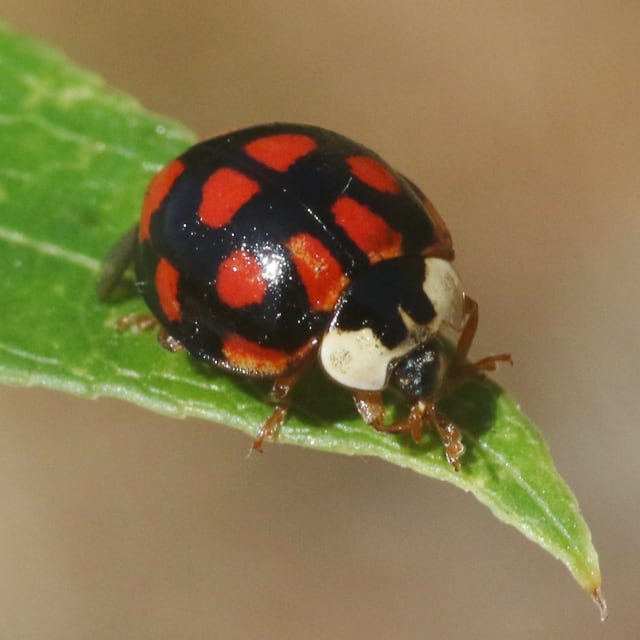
(280, 151)
(166, 278)
(369, 231)
(157, 191)
(224, 192)
(249, 356)
(373, 173)
(240, 281)
(321, 274)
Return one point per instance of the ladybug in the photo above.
(264, 250)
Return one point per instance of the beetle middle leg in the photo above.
(279, 395)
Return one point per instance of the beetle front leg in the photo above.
(450, 435)
(460, 366)
(372, 410)
(423, 414)
(370, 407)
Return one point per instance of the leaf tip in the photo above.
(601, 603)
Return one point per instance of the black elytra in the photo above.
(344, 208)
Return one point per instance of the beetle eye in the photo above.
(419, 373)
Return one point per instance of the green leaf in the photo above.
(76, 159)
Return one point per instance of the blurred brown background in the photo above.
(521, 120)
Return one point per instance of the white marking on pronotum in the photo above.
(49, 249)
(443, 288)
(359, 360)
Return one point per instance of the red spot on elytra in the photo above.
(224, 192)
(373, 173)
(246, 355)
(368, 230)
(157, 191)
(321, 274)
(240, 281)
(280, 151)
(167, 277)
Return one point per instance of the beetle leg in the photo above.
(143, 322)
(115, 264)
(137, 322)
(168, 342)
(423, 414)
(488, 363)
(371, 407)
(270, 428)
(468, 332)
(450, 435)
(279, 395)
(460, 365)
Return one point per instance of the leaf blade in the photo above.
(80, 159)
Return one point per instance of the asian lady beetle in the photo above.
(260, 250)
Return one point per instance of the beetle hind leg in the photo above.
(137, 322)
(111, 284)
(144, 322)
